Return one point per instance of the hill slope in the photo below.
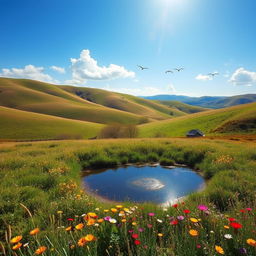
(237, 119)
(23, 125)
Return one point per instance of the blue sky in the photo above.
(100, 43)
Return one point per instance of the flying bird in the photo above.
(179, 69)
(142, 68)
(213, 74)
(168, 71)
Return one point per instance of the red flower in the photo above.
(70, 219)
(242, 210)
(175, 205)
(186, 211)
(235, 225)
(137, 242)
(135, 236)
(231, 219)
(174, 222)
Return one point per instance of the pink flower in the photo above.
(149, 225)
(140, 229)
(202, 207)
(180, 217)
(107, 218)
(151, 214)
(249, 209)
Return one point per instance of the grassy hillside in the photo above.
(50, 99)
(238, 119)
(189, 109)
(124, 102)
(23, 125)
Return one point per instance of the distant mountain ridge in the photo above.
(207, 101)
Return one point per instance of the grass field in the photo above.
(41, 188)
(235, 120)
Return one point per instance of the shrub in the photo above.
(118, 131)
(166, 161)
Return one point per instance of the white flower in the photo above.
(112, 221)
(228, 236)
(160, 221)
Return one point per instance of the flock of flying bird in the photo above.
(213, 74)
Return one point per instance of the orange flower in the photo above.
(40, 250)
(219, 249)
(113, 210)
(90, 222)
(193, 232)
(68, 228)
(34, 231)
(82, 242)
(79, 226)
(15, 239)
(251, 242)
(90, 238)
(123, 220)
(100, 220)
(17, 246)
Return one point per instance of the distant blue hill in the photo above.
(207, 101)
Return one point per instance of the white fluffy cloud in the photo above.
(243, 77)
(86, 68)
(203, 77)
(29, 72)
(58, 69)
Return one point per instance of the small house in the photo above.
(195, 133)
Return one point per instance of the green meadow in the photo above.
(45, 210)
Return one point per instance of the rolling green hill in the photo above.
(237, 119)
(22, 125)
(189, 109)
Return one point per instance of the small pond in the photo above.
(156, 184)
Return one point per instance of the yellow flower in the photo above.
(68, 228)
(40, 250)
(79, 226)
(34, 231)
(113, 210)
(90, 222)
(251, 242)
(226, 227)
(106, 210)
(17, 246)
(160, 234)
(16, 239)
(193, 232)
(92, 214)
(59, 212)
(89, 237)
(126, 210)
(194, 220)
(134, 223)
(219, 249)
(119, 206)
(123, 220)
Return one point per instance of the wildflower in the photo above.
(113, 210)
(106, 210)
(243, 251)
(160, 234)
(226, 227)
(134, 223)
(135, 236)
(194, 220)
(160, 221)
(186, 211)
(34, 231)
(140, 229)
(82, 242)
(16, 239)
(175, 205)
(219, 249)
(107, 218)
(180, 217)
(59, 212)
(100, 220)
(97, 209)
(72, 246)
(119, 206)
(90, 222)
(25, 245)
(165, 209)
(113, 221)
(17, 246)
(193, 232)
(231, 219)
(251, 242)
(68, 228)
(137, 242)
(198, 246)
(151, 214)
(126, 210)
(79, 226)
(202, 207)
(228, 236)
(90, 238)
(149, 225)
(92, 215)
(174, 222)
(70, 219)
(235, 225)
(249, 209)
(40, 250)
(123, 220)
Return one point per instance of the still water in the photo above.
(143, 184)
